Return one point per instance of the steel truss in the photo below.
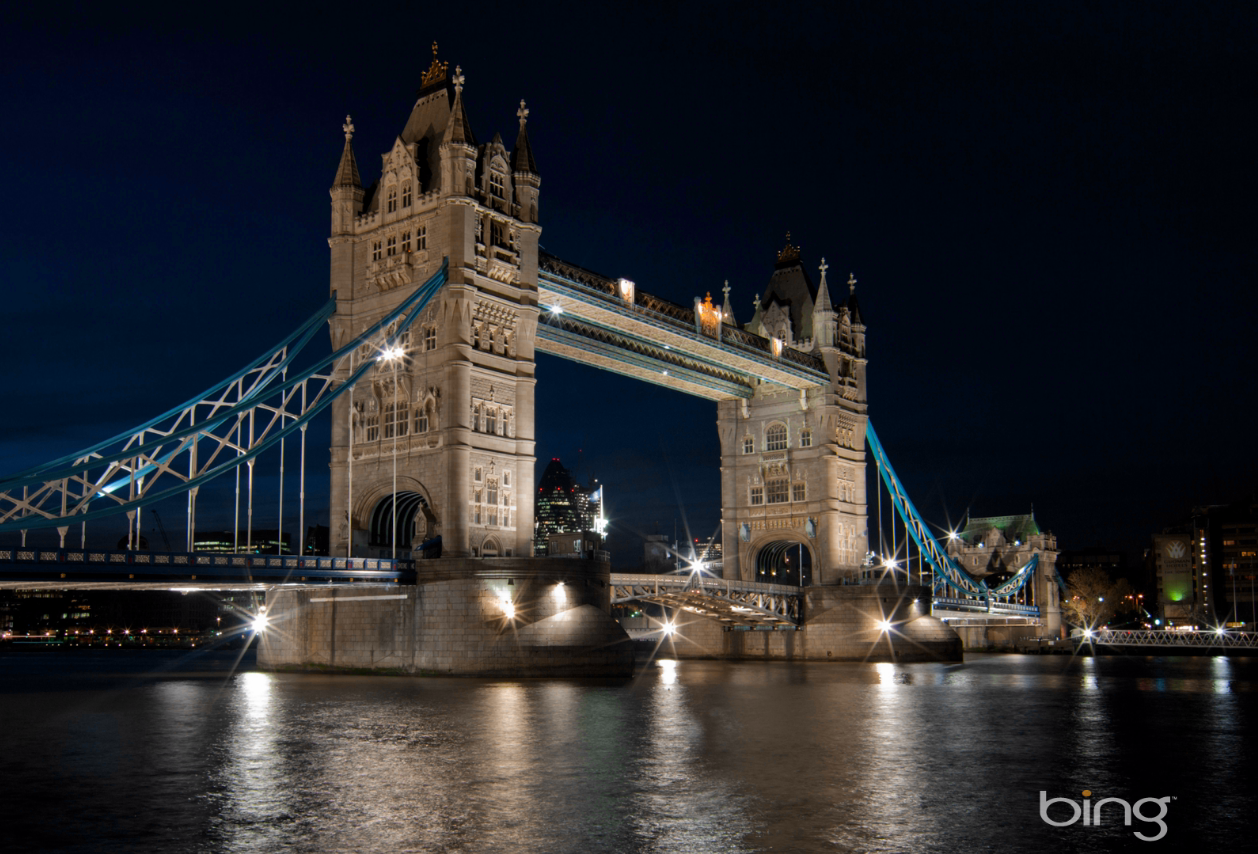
(1154, 637)
(225, 428)
(734, 603)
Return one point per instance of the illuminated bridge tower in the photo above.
(457, 408)
(793, 462)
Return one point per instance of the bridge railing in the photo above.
(706, 583)
(81, 563)
(670, 312)
(1163, 638)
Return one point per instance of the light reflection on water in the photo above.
(687, 756)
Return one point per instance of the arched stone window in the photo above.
(777, 490)
(392, 200)
(775, 437)
(749, 445)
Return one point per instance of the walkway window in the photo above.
(805, 439)
(757, 495)
(372, 423)
(749, 445)
(430, 338)
(775, 440)
(799, 492)
(778, 490)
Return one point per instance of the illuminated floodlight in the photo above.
(891, 563)
(952, 535)
(669, 629)
(260, 622)
(391, 354)
(559, 592)
(884, 625)
(556, 309)
(1087, 633)
(508, 607)
(1220, 630)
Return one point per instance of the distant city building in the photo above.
(1223, 577)
(259, 542)
(1239, 559)
(1111, 561)
(574, 544)
(563, 506)
(1181, 577)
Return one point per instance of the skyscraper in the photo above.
(563, 505)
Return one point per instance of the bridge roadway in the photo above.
(95, 569)
(612, 325)
(735, 603)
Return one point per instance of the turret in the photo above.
(824, 317)
(524, 171)
(458, 146)
(347, 187)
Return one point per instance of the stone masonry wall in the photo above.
(509, 616)
(840, 624)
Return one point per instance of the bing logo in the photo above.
(1091, 813)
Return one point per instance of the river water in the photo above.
(168, 752)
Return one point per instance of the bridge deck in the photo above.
(651, 339)
(93, 568)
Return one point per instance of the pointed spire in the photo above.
(522, 157)
(459, 130)
(727, 310)
(853, 307)
(347, 171)
(823, 292)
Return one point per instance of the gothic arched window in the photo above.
(775, 438)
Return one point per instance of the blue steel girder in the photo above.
(237, 425)
(945, 569)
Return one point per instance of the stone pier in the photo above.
(841, 623)
(465, 617)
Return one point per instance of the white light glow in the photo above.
(884, 625)
(392, 354)
(260, 623)
(556, 309)
(669, 629)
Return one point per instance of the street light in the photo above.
(393, 355)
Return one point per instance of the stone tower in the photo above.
(456, 410)
(793, 463)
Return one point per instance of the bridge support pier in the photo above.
(465, 617)
(841, 623)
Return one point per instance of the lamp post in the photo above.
(394, 355)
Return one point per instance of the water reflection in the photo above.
(688, 756)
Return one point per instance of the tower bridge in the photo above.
(440, 297)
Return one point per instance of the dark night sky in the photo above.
(1049, 209)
